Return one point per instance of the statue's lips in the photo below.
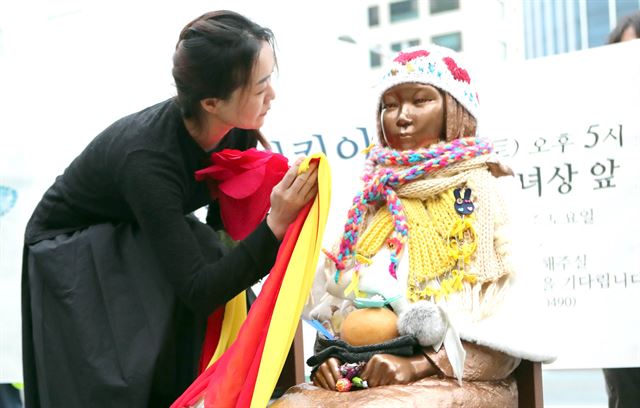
(404, 135)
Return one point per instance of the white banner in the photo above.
(568, 126)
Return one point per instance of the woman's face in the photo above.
(248, 106)
(412, 116)
(629, 34)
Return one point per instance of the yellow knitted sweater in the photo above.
(462, 261)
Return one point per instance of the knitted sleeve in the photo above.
(502, 233)
(491, 262)
(491, 222)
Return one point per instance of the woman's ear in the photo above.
(209, 105)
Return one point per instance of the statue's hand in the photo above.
(327, 374)
(387, 369)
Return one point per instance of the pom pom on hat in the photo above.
(425, 321)
(432, 65)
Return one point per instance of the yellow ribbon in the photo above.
(235, 313)
(354, 285)
(295, 287)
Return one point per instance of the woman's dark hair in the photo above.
(215, 55)
(631, 20)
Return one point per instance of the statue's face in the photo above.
(412, 116)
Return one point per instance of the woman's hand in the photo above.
(387, 369)
(327, 374)
(290, 195)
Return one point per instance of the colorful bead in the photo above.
(359, 382)
(343, 385)
(349, 370)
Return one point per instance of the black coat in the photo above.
(118, 278)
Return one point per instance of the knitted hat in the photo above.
(433, 65)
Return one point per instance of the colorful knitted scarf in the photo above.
(385, 171)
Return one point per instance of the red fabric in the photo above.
(244, 400)
(242, 182)
(212, 336)
(230, 381)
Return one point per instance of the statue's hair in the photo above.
(458, 121)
